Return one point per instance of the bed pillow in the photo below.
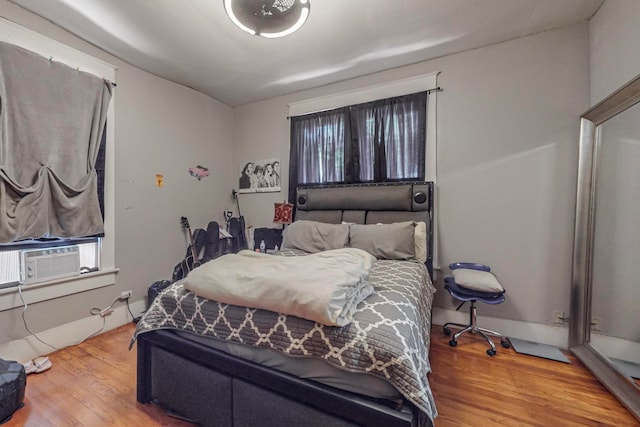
(313, 236)
(420, 241)
(477, 280)
(385, 241)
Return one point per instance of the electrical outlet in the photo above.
(559, 318)
(596, 324)
(125, 294)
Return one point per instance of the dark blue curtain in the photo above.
(377, 141)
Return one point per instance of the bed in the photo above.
(228, 365)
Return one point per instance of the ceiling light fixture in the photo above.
(268, 18)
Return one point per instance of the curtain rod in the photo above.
(114, 84)
(428, 91)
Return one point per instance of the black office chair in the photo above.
(474, 282)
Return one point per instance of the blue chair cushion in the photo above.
(464, 294)
(482, 281)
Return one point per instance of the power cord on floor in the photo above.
(134, 319)
(95, 311)
(24, 320)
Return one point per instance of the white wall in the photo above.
(614, 47)
(161, 127)
(507, 160)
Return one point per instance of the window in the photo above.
(10, 263)
(377, 141)
(95, 252)
(319, 141)
(55, 132)
(427, 82)
(391, 135)
(89, 248)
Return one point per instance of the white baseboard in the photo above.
(28, 348)
(536, 332)
(617, 348)
(552, 335)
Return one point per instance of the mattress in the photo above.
(388, 339)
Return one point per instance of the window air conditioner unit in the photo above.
(39, 265)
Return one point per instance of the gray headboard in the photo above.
(369, 204)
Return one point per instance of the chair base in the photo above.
(473, 328)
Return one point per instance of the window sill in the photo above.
(9, 297)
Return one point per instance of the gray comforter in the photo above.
(325, 287)
(389, 335)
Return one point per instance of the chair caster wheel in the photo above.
(453, 343)
(505, 343)
(491, 352)
(446, 331)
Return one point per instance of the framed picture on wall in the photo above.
(259, 176)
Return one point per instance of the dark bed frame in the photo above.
(214, 388)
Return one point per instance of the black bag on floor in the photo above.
(212, 243)
(237, 231)
(13, 381)
(156, 288)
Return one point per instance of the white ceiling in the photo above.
(192, 42)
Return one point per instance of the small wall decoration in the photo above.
(283, 213)
(159, 180)
(262, 176)
(199, 172)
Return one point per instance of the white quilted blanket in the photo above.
(324, 287)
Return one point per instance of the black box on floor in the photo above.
(270, 236)
(13, 382)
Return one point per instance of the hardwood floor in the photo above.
(93, 384)
(511, 389)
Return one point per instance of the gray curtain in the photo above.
(318, 149)
(390, 135)
(320, 146)
(378, 141)
(51, 122)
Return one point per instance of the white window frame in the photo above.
(13, 33)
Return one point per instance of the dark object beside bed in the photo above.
(271, 237)
(215, 388)
(13, 381)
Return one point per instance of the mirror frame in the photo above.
(581, 278)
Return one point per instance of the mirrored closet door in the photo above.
(605, 298)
